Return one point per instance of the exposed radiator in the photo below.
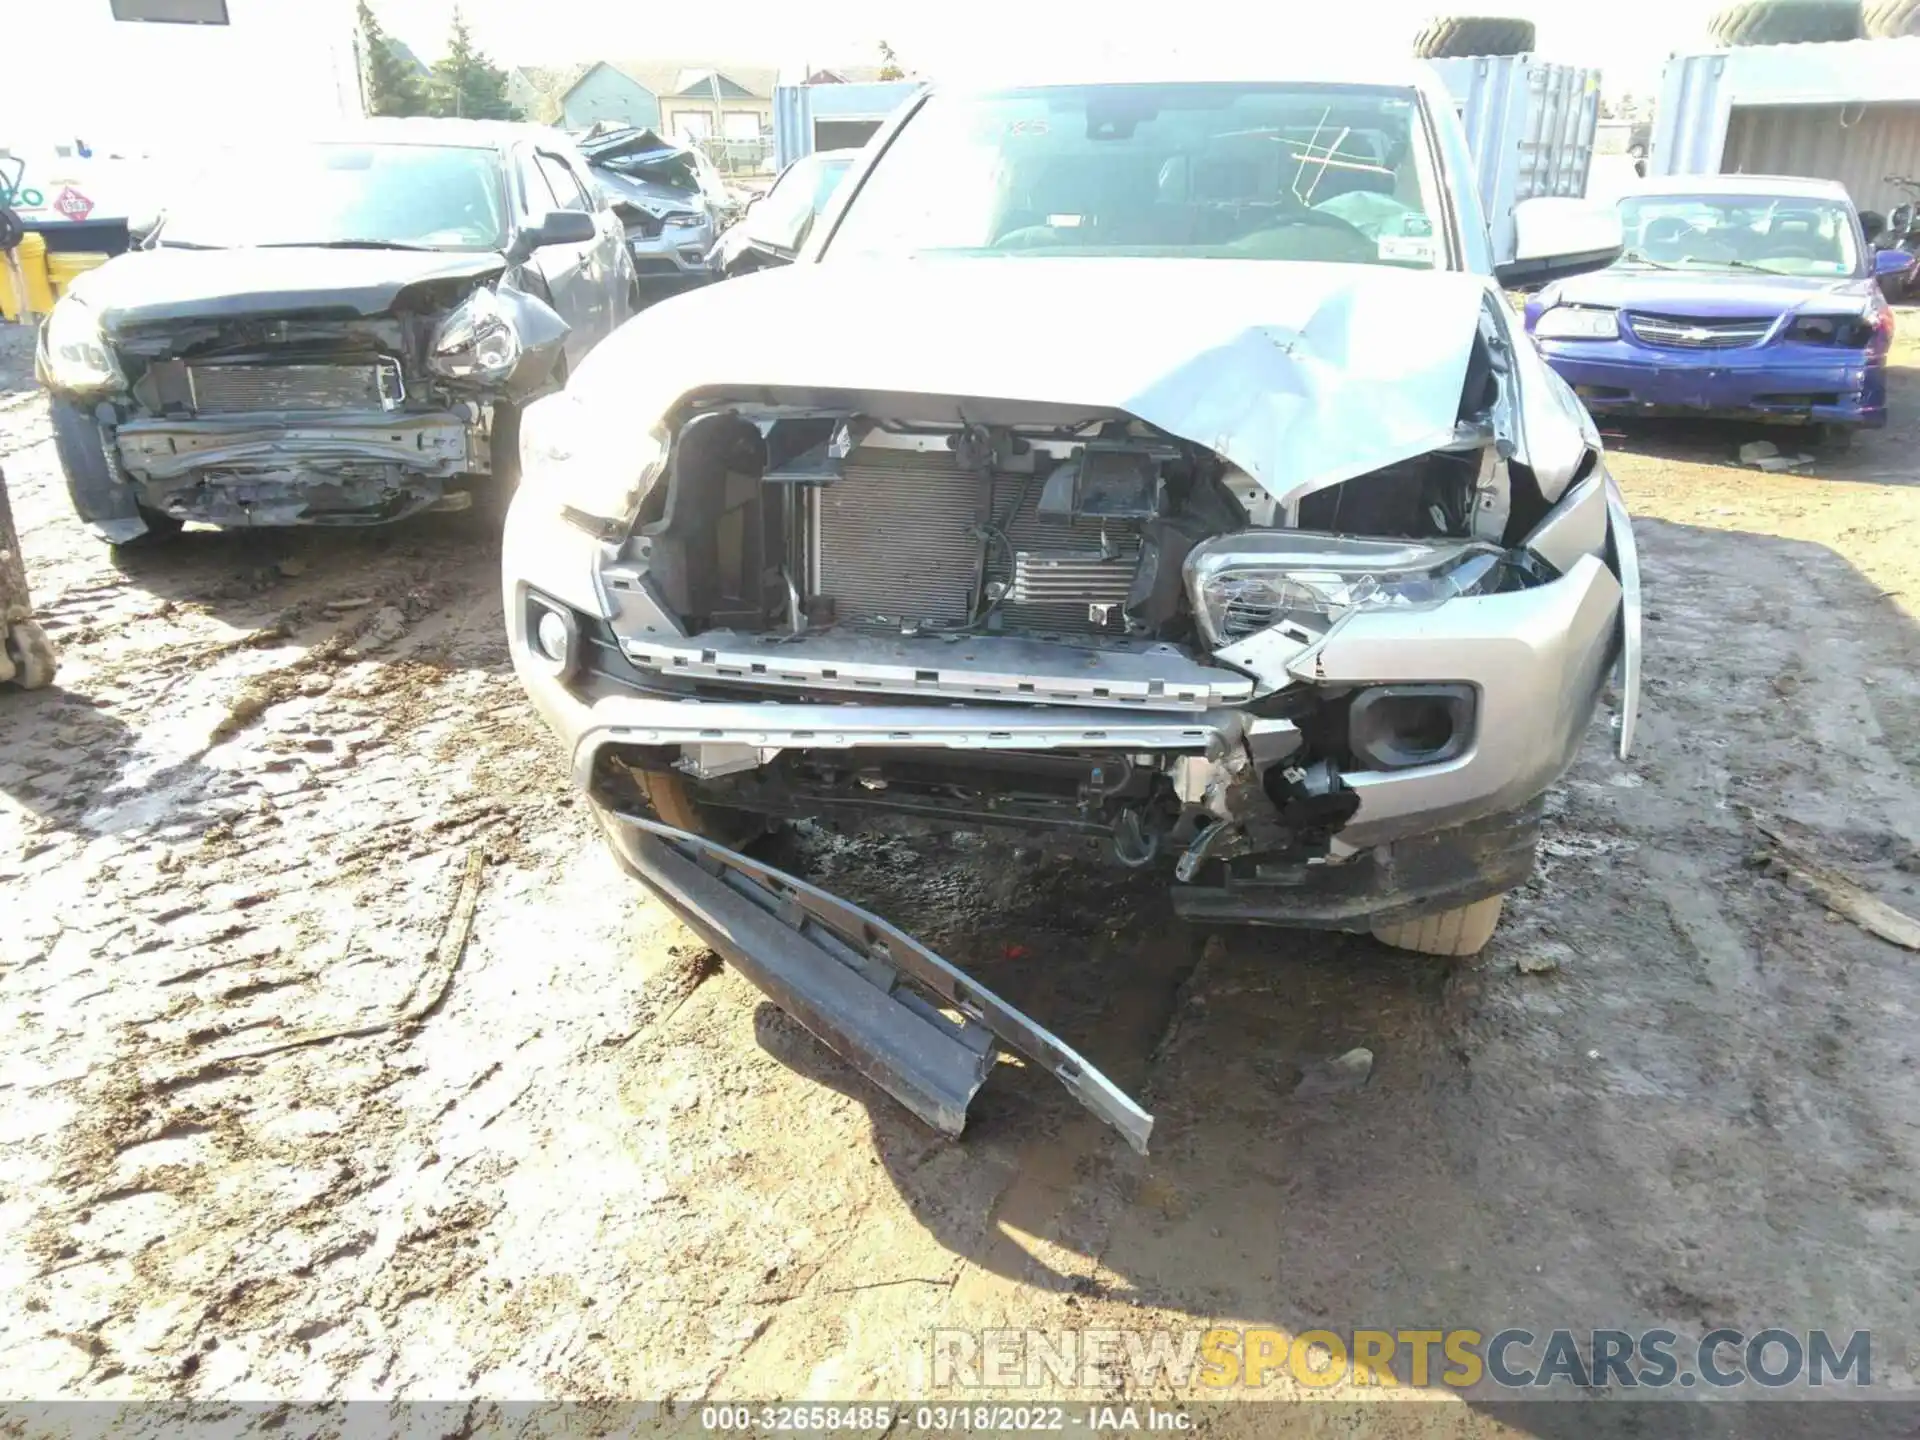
(898, 539)
(242, 389)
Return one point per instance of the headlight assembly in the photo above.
(588, 462)
(1577, 322)
(77, 353)
(1246, 582)
(478, 340)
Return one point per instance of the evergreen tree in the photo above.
(466, 83)
(393, 86)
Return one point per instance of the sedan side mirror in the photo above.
(1891, 262)
(1557, 236)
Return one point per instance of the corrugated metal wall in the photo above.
(1530, 126)
(1858, 145)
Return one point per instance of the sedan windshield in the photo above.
(1263, 172)
(1788, 235)
(433, 197)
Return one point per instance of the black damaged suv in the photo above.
(339, 332)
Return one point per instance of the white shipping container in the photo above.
(1848, 111)
(1530, 125)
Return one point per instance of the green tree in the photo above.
(466, 83)
(393, 85)
(890, 63)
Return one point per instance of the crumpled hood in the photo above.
(148, 286)
(1299, 373)
(1721, 293)
(654, 198)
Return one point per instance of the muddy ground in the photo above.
(262, 1135)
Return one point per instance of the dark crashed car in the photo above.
(339, 332)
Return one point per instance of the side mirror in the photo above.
(1556, 236)
(1891, 262)
(560, 227)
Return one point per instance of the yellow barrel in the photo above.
(63, 268)
(32, 253)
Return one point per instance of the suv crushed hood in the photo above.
(145, 287)
(1300, 374)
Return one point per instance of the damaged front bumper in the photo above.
(266, 469)
(903, 1017)
(1417, 840)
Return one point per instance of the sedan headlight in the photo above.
(683, 219)
(589, 462)
(77, 353)
(478, 340)
(1243, 583)
(1577, 322)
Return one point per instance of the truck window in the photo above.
(1230, 171)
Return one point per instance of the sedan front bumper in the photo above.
(1780, 381)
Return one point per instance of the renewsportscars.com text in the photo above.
(1222, 1358)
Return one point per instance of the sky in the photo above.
(1628, 40)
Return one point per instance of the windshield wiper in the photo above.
(342, 245)
(1634, 257)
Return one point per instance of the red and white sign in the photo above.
(72, 204)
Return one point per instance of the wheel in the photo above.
(493, 493)
(1453, 35)
(673, 803)
(30, 654)
(1464, 931)
(1890, 19)
(1785, 22)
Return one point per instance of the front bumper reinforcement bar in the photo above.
(866, 989)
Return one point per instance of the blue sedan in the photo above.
(1742, 296)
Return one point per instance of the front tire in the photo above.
(1458, 932)
(493, 493)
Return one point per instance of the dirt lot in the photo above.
(260, 1137)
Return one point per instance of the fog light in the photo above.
(1395, 727)
(551, 637)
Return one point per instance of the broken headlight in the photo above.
(476, 340)
(77, 353)
(592, 466)
(1241, 584)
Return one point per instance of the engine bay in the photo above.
(773, 522)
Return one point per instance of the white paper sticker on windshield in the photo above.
(1407, 248)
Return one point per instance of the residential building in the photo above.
(684, 100)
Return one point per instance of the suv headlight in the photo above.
(477, 339)
(1243, 583)
(77, 353)
(588, 462)
(1577, 322)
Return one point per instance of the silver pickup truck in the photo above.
(1156, 459)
